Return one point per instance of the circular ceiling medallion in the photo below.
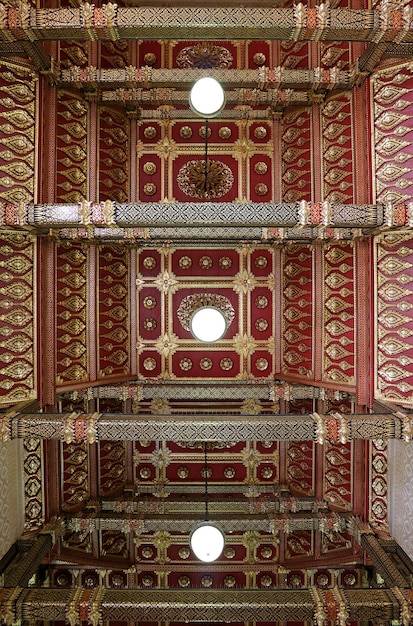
(149, 189)
(225, 262)
(193, 303)
(261, 189)
(149, 168)
(149, 302)
(260, 167)
(205, 364)
(150, 132)
(185, 262)
(185, 364)
(186, 132)
(260, 132)
(205, 262)
(150, 58)
(149, 262)
(259, 58)
(198, 179)
(224, 132)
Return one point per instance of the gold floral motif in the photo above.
(261, 364)
(150, 58)
(185, 364)
(149, 132)
(149, 189)
(149, 364)
(205, 363)
(149, 168)
(149, 302)
(186, 132)
(244, 282)
(204, 55)
(226, 364)
(261, 189)
(261, 302)
(167, 345)
(149, 263)
(260, 132)
(225, 262)
(224, 132)
(205, 262)
(204, 133)
(200, 179)
(261, 324)
(259, 58)
(166, 282)
(260, 168)
(149, 324)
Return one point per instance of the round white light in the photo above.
(207, 541)
(207, 98)
(208, 324)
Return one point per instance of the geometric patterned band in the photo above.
(214, 605)
(189, 428)
(195, 214)
(110, 22)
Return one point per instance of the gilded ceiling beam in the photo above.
(191, 605)
(182, 521)
(93, 427)
(261, 78)
(200, 215)
(88, 22)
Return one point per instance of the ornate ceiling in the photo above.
(108, 243)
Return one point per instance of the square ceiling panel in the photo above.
(172, 283)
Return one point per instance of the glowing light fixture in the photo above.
(207, 540)
(208, 324)
(207, 98)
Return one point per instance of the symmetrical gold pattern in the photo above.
(71, 136)
(72, 353)
(394, 365)
(393, 114)
(17, 327)
(17, 129)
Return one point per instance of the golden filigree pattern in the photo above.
(71, 312)
(200, 179)
(393, 181)
(17, 143)
(394, 365)
(71, 137)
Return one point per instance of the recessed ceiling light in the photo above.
(208, 324)
(207, 98)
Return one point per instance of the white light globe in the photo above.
(207, 542)
(208, 324)
(207, 98)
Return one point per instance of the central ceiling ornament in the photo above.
(205, 179)
(204, 56)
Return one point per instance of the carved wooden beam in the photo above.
(101, 604)
(105, 426)
(299, 23)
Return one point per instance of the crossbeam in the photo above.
(299, 23)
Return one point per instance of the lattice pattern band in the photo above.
(187, 605)
(88, 22)
(189, 428)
